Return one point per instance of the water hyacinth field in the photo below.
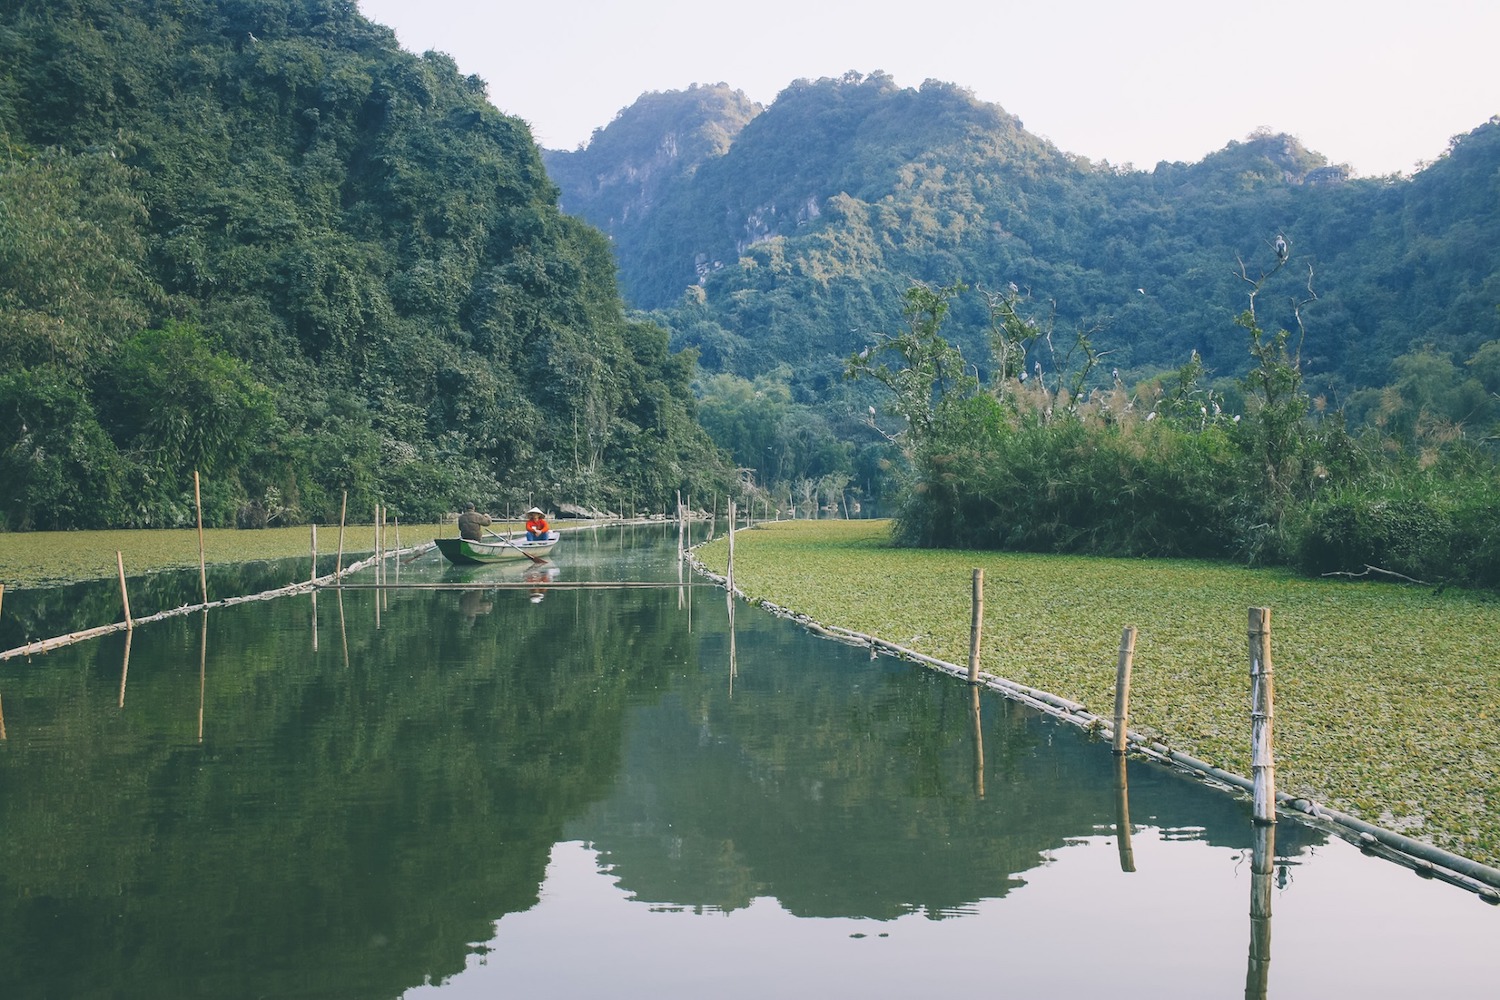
(1387, 695)
(37, 558)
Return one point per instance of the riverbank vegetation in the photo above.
(1387, 695)
(1255, 470)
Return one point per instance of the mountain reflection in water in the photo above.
(610, 792)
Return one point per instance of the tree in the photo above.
(926, 375)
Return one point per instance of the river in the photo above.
(557, 782)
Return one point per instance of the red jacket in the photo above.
(537, 525)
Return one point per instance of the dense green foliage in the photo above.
(1175, 468)
(256, 238)
(788, 244)
(1347, 682)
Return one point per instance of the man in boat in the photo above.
(471, 523)
(536, 524)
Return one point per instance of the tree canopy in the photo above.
(260, 240)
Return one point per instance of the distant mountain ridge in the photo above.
(802, 222)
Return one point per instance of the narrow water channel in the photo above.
(530, 788)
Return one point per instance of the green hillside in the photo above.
(795, 239)
(257, 239)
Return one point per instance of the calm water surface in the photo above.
(527, 790)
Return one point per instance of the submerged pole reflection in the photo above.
(1122, 816)
(343, 631)
(978, 741)
(733, 668)
(202, 672)
(1262, 865)
(125, 665)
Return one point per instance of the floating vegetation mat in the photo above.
(1387, 695)
(42, 558)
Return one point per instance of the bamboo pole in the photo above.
(202, 569)
(2, 721)
(1262, 699)
(1122, 688)
(313, 574)
(338, 567)
(730, 577)
(2, 593)
(976, 625)
(124, 594)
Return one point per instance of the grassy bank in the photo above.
(1387, 697)
(39, 558)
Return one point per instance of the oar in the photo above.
(507, 541)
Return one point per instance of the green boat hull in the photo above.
(467, 552)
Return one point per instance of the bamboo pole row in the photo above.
(57, 642)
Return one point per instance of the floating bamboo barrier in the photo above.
(331, 579)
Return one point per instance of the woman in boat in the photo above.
(536, 524)
(471, 523)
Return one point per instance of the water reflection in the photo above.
(1262, 868)
(484, 788)
(1122, 815)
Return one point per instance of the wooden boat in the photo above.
(496, 548)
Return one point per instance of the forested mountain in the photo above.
(902, 295)
(257, 239)
(813, 211)
(786, 247)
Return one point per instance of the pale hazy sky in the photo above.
(1381, 85)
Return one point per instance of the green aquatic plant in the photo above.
(1387, 695)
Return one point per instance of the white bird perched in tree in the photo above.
(1281, 248)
